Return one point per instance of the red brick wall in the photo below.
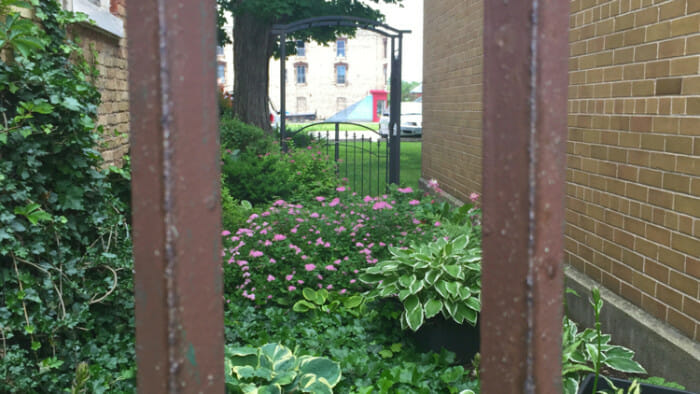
(633, 163)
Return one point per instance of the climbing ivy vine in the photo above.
(66, 294)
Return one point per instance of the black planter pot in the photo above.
(438, 333)
(587, 386)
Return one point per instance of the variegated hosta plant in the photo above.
(586, 351)
(443, 276)
(273, 368)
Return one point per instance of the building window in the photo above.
(341, 103)
(98, 11)
(221, 73)
(341, 71)
(301, 105)
(301, 48)
(340, 47)
(301, 69)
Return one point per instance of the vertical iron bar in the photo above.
(175, 189)
(362, 164)
(346, 153)
(283, 91)
(328, 142)
(394, 138)
(354, 161)
(524, 137)
(379, 146)
(337, 148)
(369, 170)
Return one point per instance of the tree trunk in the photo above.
(252, 49)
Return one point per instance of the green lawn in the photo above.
(291, 127)
(365, 168)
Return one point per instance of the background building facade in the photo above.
(323, 80)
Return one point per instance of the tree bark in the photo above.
(252, 49)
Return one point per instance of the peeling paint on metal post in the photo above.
(176, 208)
(524, 137)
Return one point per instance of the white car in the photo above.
(411, 120)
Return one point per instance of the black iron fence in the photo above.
(361, 156)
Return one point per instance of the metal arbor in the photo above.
(396, 36)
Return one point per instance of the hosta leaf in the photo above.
(243, 372)
(432, 276)
(453, 288)
(441, 288)
(353, 302)
(624, 365)
(416, 286)
(412, 303)
(303, 306)
(464, 292)
(570, 386)
(473, 303)
(386, 291)
(321, 367)
(592, 351)
(406, 281)
(280, 356)
(463, 313)
(414, 318)
(370, 277)
(269, 389)
(403, 294)
(432, 308)
(316, 386)
(460, 242)
(454, 271)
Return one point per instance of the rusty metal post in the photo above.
(176, 209)
(525, 93)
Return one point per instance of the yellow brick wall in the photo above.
(113, 113)
(452, 69)
(633, 196)
(633, 162)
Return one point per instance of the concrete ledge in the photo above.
(661, 349)
(423, 184)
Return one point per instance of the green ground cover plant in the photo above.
(65, 268)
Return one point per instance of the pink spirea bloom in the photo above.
(334, 202)
(304, 257)
(268, 242)
(273, 261)
(270, 278)
(319, 198)
(314, 215)
(474, 197)
(437, 224)
(352, 281)
(256, 253)
(367, 199)
(225, 233)
(279, 237)
(340, 189)
(381, 205)
(329, 287)
(413, 202)
(330, 267)
(289, 277)
(405, 190)
(279, 203)
(343, 291)
(309, 267)
(291, 288)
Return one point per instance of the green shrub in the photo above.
(65, 266)
(238, 137)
